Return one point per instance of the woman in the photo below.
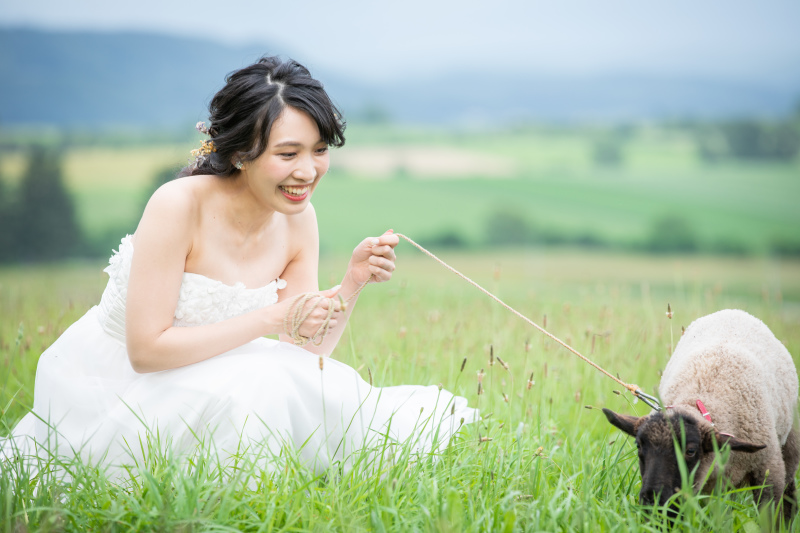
(175, 349)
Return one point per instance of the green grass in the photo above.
(552, 464)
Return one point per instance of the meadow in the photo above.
(539, 461)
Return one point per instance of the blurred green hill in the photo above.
(646, 188)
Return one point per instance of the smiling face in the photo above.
(286, 174)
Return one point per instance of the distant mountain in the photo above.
(507, 97)
(100, 79)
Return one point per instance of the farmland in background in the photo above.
(636, 188)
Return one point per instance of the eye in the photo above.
(288, 154)
(691, 450)
(322, 150)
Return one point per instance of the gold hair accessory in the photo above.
(206, 147)
(200, 154)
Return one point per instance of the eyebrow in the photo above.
(293, 143)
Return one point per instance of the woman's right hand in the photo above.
(317, 310)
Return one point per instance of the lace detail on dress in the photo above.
(119, 266)
(202, 300)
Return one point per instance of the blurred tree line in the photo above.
(666, 233)
(750, 139)
(37, 218)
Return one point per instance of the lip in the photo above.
(293, 198)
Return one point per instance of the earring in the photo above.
(239, 165)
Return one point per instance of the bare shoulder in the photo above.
(179, 197)
(173, 211)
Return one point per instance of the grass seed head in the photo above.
(463, 364)
(530, 381)
(481, 373)
(370, 376)
(491, 355)
(502, 363)
(669, 312)
(321, 362)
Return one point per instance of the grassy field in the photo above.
(431, 184)
(551, 464)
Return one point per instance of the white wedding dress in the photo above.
(260, 397)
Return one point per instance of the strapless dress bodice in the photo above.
(201, 300)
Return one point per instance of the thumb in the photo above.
(330, 293)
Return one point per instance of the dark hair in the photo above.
(243, 111)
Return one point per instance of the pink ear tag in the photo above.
(704, 412)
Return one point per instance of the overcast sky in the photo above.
(741, 39)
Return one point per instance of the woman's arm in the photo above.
(162, 242)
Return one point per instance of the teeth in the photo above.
(295, 191)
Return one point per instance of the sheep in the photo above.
(730, 382)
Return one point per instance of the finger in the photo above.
(386, 251)
(330, 293)
(379, 274)
(382, 262)
(388, 239)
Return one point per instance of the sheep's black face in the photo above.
(660, 439)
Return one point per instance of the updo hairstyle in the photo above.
(243, 111)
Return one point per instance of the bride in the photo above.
(222, 257)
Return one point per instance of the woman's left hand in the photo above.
(373, 256)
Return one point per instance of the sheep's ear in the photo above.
(734, 443)
(626, 423)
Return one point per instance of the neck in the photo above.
(242, 211)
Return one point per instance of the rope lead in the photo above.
(634, 389)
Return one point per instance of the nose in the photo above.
(305, 170)
(651, 495)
